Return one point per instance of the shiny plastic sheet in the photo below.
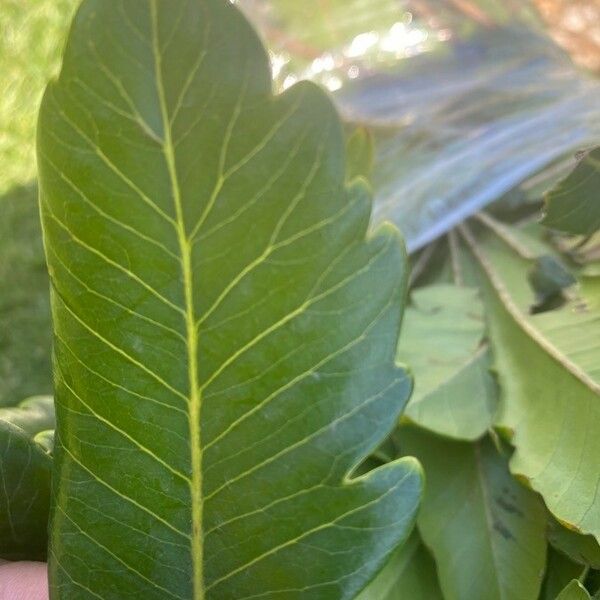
(467, 98)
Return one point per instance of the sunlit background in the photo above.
(467, 98)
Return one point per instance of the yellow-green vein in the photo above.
(197, 549)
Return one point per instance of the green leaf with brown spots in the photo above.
(548, 367)
(485, 530)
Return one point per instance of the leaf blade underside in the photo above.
(474, 513)
(224, 328)
(548, 372)
(457, 361)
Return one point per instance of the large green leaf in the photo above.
(25, 330)
(225, 329)
(573, 206)
(25, 468)
(409, 575)
(441, 340)
(574, 591)
(485, 530)
(549, 372)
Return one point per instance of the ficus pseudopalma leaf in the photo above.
(225, 327)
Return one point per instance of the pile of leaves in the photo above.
(502, 336)
(500, 330)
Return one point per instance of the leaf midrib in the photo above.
(195, 399)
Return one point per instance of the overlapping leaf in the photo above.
(484, 529)
(548, 372)
(225, 330)
(573, 206)
(583, 549)
(410, 573)
(560, 571)
(442, 341)
(574, 591)
(25, 468)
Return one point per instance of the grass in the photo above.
(31, 39)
